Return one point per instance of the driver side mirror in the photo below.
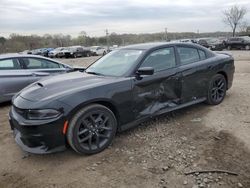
(145, 71)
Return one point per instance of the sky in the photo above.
(119, 16)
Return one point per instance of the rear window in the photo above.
(188, 55)
(35, 63)
(202, 55)
(9, 64)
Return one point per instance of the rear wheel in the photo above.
(229, 47)
(247, 47)
(92, 129)
(217, 89)
(104, 53)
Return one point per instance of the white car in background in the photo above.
(56, 52)
(98, 50)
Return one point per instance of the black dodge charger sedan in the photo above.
(84, 110)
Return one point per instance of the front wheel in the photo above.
(217, 89)
(92, 129)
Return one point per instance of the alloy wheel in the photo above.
(94, 131)
(218, 90)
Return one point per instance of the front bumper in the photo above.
(38, 137)
(67, 54)
(217, 47)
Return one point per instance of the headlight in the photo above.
(42, 114)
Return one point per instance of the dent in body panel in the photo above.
(161, 93)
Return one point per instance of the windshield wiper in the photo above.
(95, 73)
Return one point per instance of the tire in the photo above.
(247, 47)
(92, 129)
(74, 55)
(104, 53)
(229, 47)
(217, 89)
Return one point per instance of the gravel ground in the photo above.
(154, 154)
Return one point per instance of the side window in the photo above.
(202, 55)
(35, 63)
(9, 64)
(160, 59)
(188, 55)
(80, 49)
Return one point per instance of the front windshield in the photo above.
(71, 49)
(58, 49)
(246, 38)
(212, 40)
(115, 63)
(94, 47)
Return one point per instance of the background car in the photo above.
(120, 90)
(98, 50)
(188, 40)
(25, 52)
(37, 51)
(56, 52)
(238, 43)
(46, 51)
(212, 43)
(18, 71)
(77, 51)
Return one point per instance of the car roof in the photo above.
(16, 55)
(148, 46)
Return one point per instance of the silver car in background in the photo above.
(19, 70)
(57, 53)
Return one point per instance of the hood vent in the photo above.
(41, 85)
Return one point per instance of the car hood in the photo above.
(58, 86)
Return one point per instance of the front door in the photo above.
(160, 91)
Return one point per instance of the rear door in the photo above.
(13, 78)
(194, 67)
(160, 91)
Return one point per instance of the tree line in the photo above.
(18, 43)
(234, 17)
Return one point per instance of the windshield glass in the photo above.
(115, 63)
(58, 49)
(212, 40)
(246, 38)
